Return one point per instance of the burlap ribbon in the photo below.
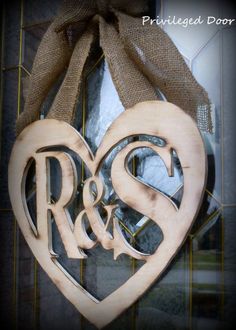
(141, 60)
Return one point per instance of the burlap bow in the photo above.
(141, 60)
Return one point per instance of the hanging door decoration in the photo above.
(136, 78)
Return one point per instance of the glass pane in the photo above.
(165, 305)
(207, 274)
(229, 264)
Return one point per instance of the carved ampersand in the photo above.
(154, 118)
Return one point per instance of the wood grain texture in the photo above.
(155, 118)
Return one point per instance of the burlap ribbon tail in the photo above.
(141, 59)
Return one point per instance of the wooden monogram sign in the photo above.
(154, 118)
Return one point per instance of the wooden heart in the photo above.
(155, 118)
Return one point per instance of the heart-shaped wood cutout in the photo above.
(154, 118)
